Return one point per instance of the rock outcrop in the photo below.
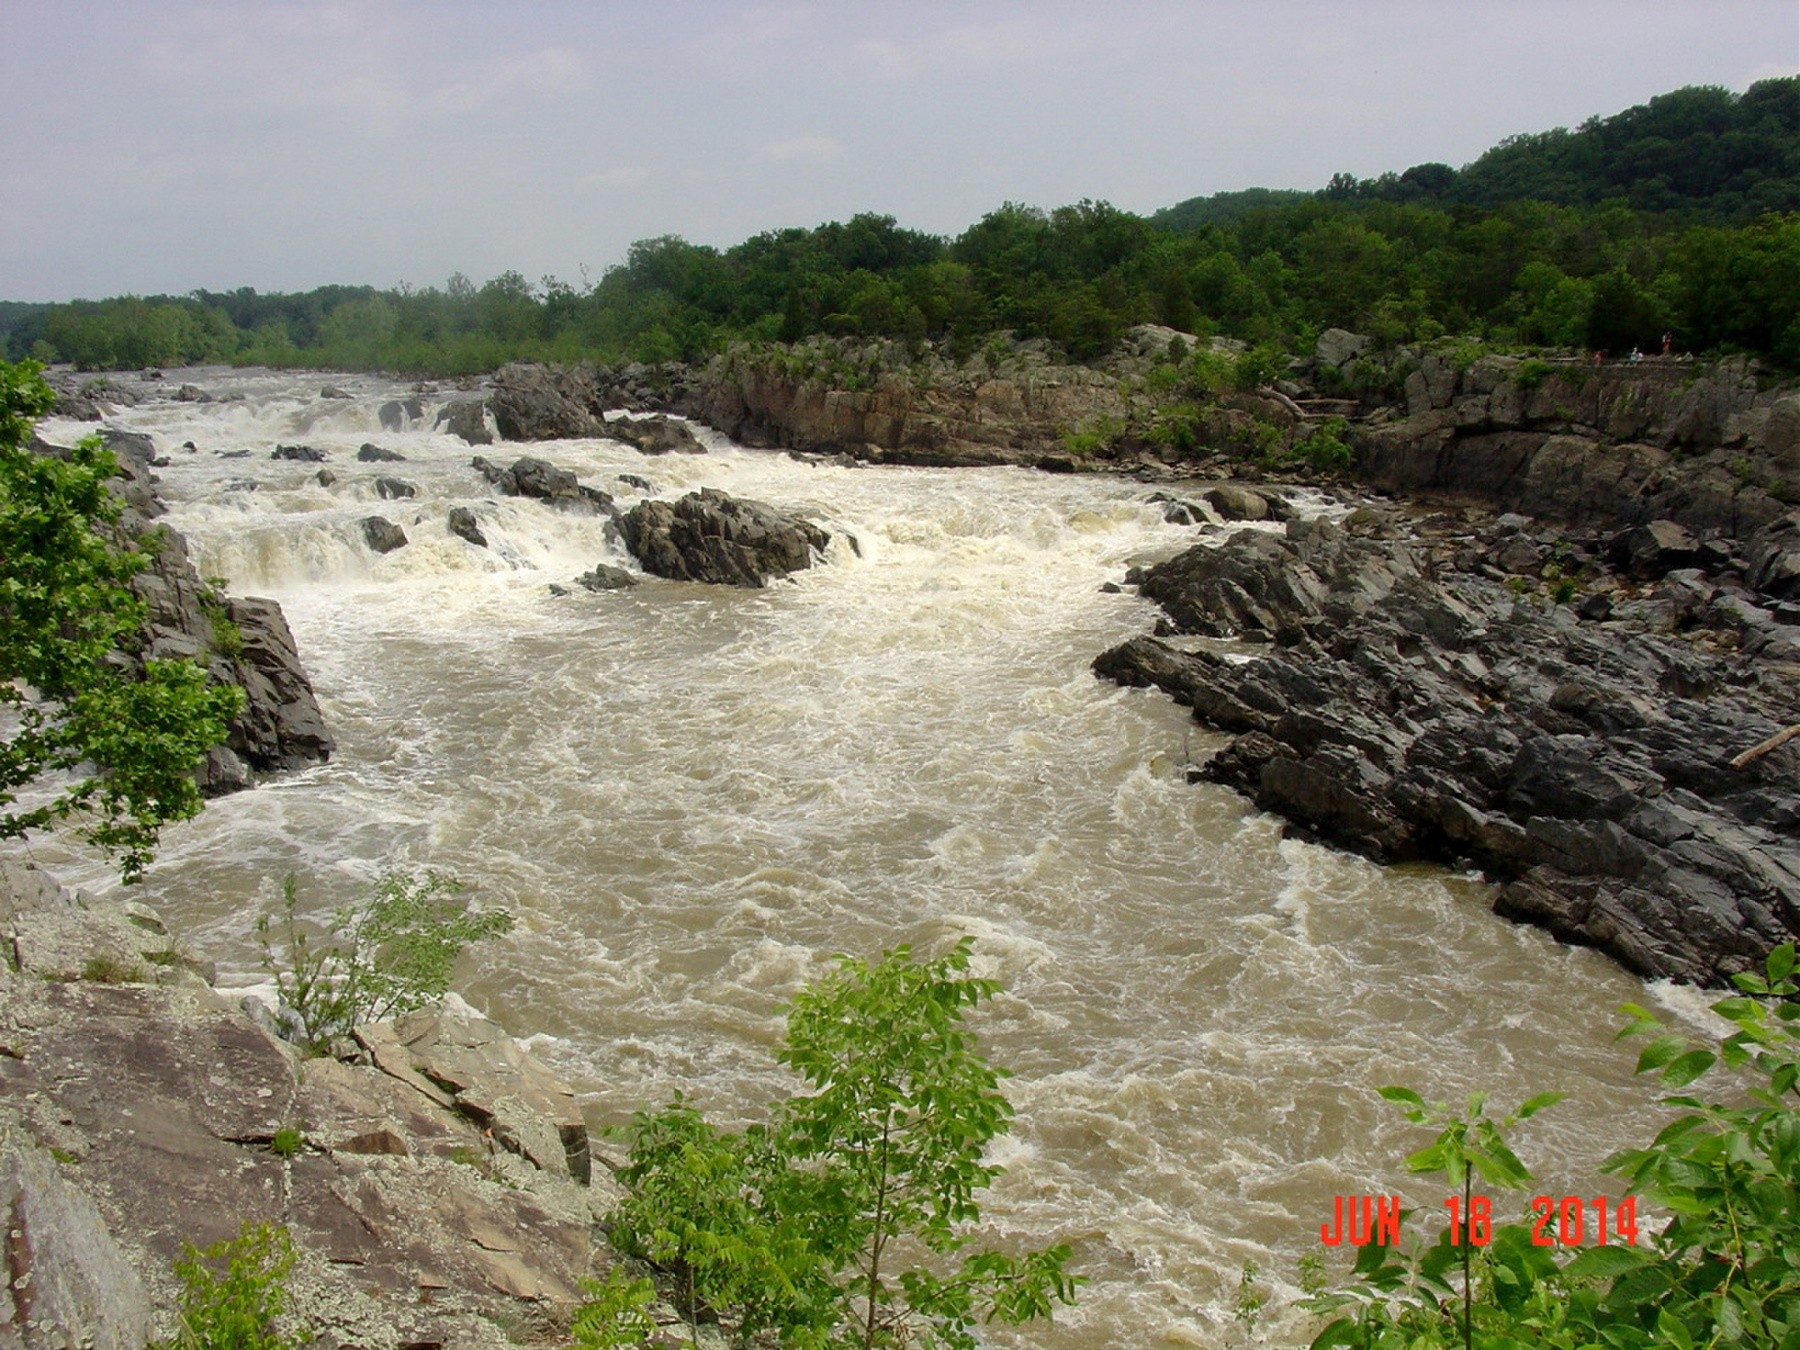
(435, 1185)
(1412, 705)
(711, 536)
(466, 418)
(872, 401)
(531, 402)
(241, 640)
(1623, 442)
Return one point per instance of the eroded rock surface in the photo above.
(433, 1197)
(1413, 706)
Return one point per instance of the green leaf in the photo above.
(1403, 1096)
(1670, 1328)
(1686, 1068)
(1532, 1105)
(1342, 1332)
(1604, 1263)
(1659, 1052)
(1781, 962)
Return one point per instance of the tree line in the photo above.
(1679, 216)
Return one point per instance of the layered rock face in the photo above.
(871, 402)
(437, 1192)
(1412, 707)
(241, 640)
(1622, 442)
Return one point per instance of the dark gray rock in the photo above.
(240, 640)
(713, 537)
(393, 489)
(462, 525)
(304, 454)
(1650, 550)
(393, 415)
(382, 535)
(325, 477)
(655, 435)
(605, 577)
(541, 403)
(370, 453)
(332, 391)
(467, 419)
(542, 481)
(1408, 710)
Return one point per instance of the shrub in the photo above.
(232, 1291)
(1531, 373)
(388, 953)
(1094, 437)
(287, 1142)
(1721, 1271)
(616, 1315)
(1325, 448)
(797, 1227)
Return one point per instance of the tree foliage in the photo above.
(391, 951)
(1675, 214)
(1722, 1270)
(844, 1220)
(232, 1291)
(91, 734)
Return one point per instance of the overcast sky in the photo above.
(160, 147)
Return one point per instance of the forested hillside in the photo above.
(1677, 216)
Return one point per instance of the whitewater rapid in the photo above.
(691, 797)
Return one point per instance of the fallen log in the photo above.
(1774, 742)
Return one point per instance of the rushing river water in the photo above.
(691, 797)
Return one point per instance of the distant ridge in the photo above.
(1702, 154)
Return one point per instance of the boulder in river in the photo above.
(462, 525)
(711, 536)
(656, 435)
(467, 419)
(543, 481)
(606, 577)
(304, 454)
(370, 453)
(382, 535)
(392, 489)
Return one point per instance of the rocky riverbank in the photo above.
(435, 1178)
(241, 640)
(1425, 695)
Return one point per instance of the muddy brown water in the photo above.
(692, 797)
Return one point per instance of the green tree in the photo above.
(802, 1223)
(97, 736)
(390, 952)
(1722, 1270)
(232, 1291)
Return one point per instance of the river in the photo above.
(691, 797)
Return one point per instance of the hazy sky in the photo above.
(159, 147)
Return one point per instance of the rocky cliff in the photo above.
(1425, 695)
(875, 401)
